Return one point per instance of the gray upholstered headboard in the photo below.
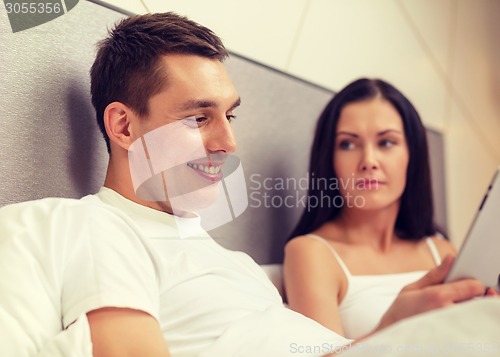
(50, 144)
(275, 131)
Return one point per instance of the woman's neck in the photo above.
(369, 227)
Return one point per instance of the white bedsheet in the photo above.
(462, 330)
(467, 329)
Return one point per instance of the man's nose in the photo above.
(221, 138)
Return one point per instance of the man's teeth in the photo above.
(207, 169)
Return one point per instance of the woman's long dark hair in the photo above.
(415, 217)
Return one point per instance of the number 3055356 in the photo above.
(33, 8)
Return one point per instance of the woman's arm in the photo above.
(312, 279)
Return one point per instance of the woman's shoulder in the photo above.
(310, 256)
(443, 245)
(306, 241)
(309, 246)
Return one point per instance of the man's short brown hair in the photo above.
(127, 67)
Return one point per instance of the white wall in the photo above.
(444, 54)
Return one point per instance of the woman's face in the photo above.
(371, 154)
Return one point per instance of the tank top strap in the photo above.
(433, 250)
(332, 250)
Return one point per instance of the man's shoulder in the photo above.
(48, 205)
(59, 211)
(66, 222)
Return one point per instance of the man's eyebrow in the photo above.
(196, 104)
(236, 104)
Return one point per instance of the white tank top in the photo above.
(369, 296)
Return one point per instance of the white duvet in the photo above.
(466, 329)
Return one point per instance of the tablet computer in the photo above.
(479, 256)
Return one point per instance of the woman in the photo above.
(352, 253)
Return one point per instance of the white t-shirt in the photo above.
(62, 258)
(210, 294)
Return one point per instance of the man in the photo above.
(131, 264)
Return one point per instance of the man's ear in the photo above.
(117, 121)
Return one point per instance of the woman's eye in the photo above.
(387, 143)
(346, 145)
(230, 117)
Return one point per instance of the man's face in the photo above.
(186, 137)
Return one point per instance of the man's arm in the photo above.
(124, 332)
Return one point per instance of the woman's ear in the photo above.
(117, 121)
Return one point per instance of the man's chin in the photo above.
(195, 200)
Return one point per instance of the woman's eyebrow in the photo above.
(380, 133)
(387, 131)
(347, 133)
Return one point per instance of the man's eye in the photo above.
(231, 117)
(346, 145)
(194, 122)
